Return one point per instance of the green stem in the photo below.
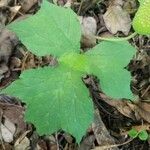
(117, 39)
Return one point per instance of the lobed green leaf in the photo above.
(56, 99)
(108, 61)
(52, 30)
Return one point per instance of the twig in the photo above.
(147, 89)
(112, 146)
(80, 7)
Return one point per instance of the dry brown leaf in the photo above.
(135, 110)
(8, 130)
(15, 114)
(143, 110)
(87, 143)
(116, 19)
(22, 143)
(88, 28)
(123, 106)
(101, 134)
(8, 41)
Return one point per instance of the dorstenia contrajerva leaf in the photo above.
(56, 97)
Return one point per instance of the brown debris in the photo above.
(8, 41)
(116, 19)
(88, 28)
(26, 5)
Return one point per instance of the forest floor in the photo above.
(113, 118)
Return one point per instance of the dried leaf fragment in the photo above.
(116, 19)
(88, 28)
(7, 130)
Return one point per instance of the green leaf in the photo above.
(143, 135)
(107, 61)
(56, 99)
(133, 133)
(52, 30)
(76, 62)
(141, 21)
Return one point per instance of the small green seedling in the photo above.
(142, 135)
(56, 97)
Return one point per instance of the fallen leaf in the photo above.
(120, 105)
(9, 125)
(8, 41)
(8, 130)
(135, 110)
(101, 133)
(15, 115)
(88, 28)
(87, 143)
(143, 110)
(116, 19)
(22, 143)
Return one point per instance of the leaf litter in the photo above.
(138, 112)
(116, 18)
